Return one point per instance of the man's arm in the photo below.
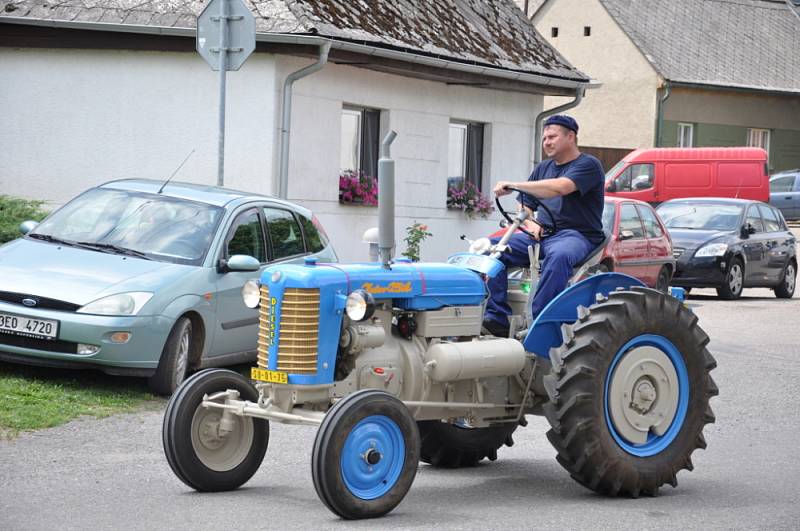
(544, 189)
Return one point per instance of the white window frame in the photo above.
(758, 138)
(682, 128)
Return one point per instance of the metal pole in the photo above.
(223, 68)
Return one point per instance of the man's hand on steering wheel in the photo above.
(503, 188)
(533, 228)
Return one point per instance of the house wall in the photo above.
(621, 113)
(722, 118)
(72, 119)
(420, 112)
(75, 118)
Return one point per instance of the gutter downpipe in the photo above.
(660, 114)
(286, 118)
(537, 127)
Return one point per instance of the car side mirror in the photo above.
(747, 230)
(238, 262)
(642, 185)
(612, 186)
(26, 226)
(625, 235)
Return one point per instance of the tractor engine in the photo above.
(413, 330)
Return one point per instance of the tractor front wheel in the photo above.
(453, 446)
(365, 455)
(629, 393)
(206, 452)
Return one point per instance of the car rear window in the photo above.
(315, 240)
(772, 222)
(285, 234)
(651, 225)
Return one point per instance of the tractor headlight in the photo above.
(712, 249)
(480, 246)
(251, 294)
(360, 305)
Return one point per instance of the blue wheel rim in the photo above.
(655, 443)
(377, 434)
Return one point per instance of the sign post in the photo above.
(226, 36)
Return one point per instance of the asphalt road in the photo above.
(112, 474)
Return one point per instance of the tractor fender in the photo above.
(545, 333)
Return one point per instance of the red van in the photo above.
(659, 174)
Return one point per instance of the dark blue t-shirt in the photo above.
(582, 210)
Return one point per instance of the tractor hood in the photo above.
(413, 286)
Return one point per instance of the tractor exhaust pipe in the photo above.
(386, 201)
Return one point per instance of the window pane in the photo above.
(474, 156)
(608, 217)
(284, 233)
(685, 135)
(758, 138)
(641, 176)
(456, 154)
(782, 184)
(351, 140)
(771, 222)
(246, 237)
(754, 219)
(314, 240)
(651, 226)
(629, 220)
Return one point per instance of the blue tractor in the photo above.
(390, 361)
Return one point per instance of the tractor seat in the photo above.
(592, 259)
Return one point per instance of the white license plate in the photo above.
(28, 326)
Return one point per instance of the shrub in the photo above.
(15, 210)
(468, 199)
(415, 235)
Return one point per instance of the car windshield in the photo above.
(700, 216)
(610, 174)
(608, 216)
(148, 226)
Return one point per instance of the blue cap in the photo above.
(562, 120)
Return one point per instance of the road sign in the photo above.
(228, 25)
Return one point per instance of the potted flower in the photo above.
(467, 198)
(357, 188)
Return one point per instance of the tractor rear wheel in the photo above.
(629, 393)
(453, 446)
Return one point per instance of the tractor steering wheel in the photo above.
(547, 229)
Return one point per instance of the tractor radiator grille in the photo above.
(297, 332)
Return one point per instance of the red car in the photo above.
(640, 245)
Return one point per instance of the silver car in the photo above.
(137, 278)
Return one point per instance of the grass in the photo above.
(32, 398)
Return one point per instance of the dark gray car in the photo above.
(784, 193)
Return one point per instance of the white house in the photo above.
(108, 89)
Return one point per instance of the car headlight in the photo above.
(120, 304)
(251, 294)
(712, 249)
(360, 305)
(480, 246)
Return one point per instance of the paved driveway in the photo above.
(111, 473)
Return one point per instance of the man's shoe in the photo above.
(495, 328)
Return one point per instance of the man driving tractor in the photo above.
(571, 185)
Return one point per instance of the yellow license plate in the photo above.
(263, 375)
